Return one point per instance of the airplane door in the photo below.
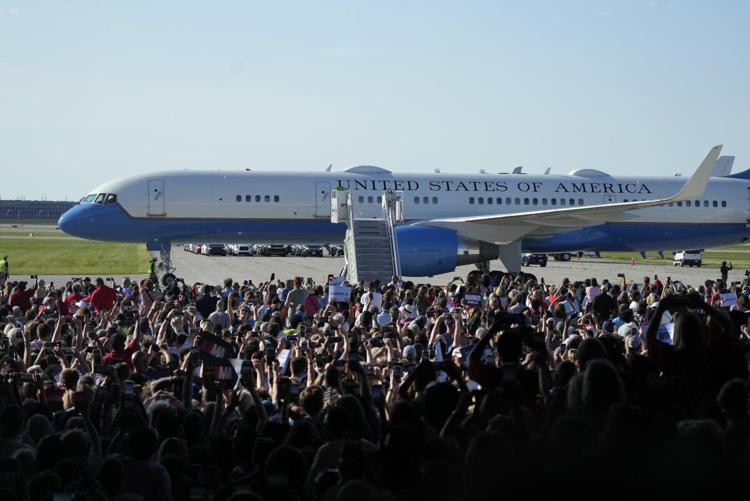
(156, 197)
(322, 199)
(610, 199)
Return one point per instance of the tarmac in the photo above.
(214, 269)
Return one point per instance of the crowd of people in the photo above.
(491, 386)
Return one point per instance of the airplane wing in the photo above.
(506, 228)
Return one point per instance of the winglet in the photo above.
(696, 185)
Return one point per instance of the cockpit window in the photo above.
(111, 198)
(100, 198)
(88, 199)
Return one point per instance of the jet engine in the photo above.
(429, 250)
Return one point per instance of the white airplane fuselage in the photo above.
(288, 207)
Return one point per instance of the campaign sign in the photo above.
(339, 293)
(728, 299)
(472, 300)
(215, 355)
(666, 333)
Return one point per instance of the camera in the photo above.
(128, 389)
(378, 395)
(246, 373)
(293, 392)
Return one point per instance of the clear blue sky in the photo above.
(92, 90)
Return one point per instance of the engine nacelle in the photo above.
(425, 251)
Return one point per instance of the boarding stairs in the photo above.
(370, 246)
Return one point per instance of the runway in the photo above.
(214, 269)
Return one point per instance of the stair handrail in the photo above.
(350, 250)
(389, 211)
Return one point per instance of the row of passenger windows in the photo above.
(370, 200)
(523, 201)
(572, 201)
(258, 198)
(697, 203)
(110, 198)
(417, 200)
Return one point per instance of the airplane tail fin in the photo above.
(723, 166)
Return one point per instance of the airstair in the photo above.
(370, 246)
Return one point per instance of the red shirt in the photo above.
(103, 298)
(22, 299)
(124, 355)
(70, 303)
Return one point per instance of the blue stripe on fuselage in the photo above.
(641, 237)
(111, 223)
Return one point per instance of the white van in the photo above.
(688, 258)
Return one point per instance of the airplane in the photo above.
(450, 219)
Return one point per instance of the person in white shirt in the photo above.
(372, 297)
(395, 283)
(220, 317)
(592, 291)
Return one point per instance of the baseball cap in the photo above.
(409, 352)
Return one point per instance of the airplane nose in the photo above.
(69, 222)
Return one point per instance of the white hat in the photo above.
(15, 337)
(408, 310)
(627, 329)
(384, 319)
(457, 353)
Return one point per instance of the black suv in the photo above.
(529, 259)
(275, 250)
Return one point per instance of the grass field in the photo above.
(738, 255)
(25, 234)
(75, 257)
